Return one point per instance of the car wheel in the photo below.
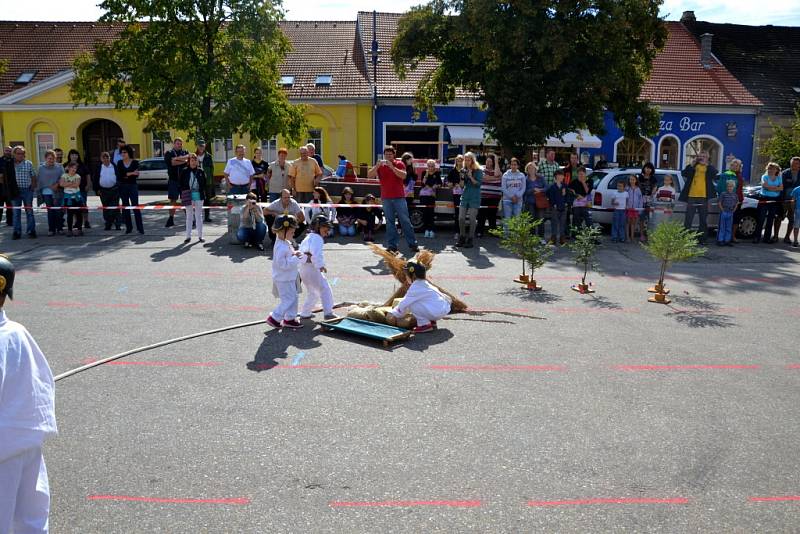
(747, 224)
(416, 219)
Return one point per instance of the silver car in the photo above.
(153, 171)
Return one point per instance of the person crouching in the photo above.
(312, 269)
(426, 303)
(285, 283)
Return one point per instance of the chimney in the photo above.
(688, 16)
(705, 50)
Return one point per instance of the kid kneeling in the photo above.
(312, 269)
(285, 283)
(426, 303)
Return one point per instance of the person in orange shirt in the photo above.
(304, 176)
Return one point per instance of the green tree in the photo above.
(207, 67)
(670, 243)
(784, 143)
(520, 238)
(584, 246)
(541, 67)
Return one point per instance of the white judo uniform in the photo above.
(425, 302)
(316, 283)
(284, 280)
(27, 418)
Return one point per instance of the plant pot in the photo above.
(659, 298)
(582, 288)
(523, 279)
(533, 287)
(659, 288)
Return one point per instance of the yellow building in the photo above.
(36, 110)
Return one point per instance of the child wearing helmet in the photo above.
(27, 418)
(312, 269)
(285, 283)
(426, 303)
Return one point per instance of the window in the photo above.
(223, 149)
(700, 144)
(624, 178)
(668, 153)
(26, 76)
(633, 152)
(269, 149)
(44, 142)
(323, 79)
(160, 147)
(420, 139)
(315, 137)
(287, 81)
(153, 165)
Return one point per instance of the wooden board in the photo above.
(382, 332)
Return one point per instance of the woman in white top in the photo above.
(109, 192)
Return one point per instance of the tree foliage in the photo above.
(207, 67)
(584, 246)
(521, 239)
(670, 243)
(784, 143)
(542, 67)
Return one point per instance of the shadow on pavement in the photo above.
(276, 343)
(695, 312)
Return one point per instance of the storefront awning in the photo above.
(582, 139)
(466, 135)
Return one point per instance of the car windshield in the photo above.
(596, 177)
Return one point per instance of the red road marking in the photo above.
(235, 500)
(793, 366)
(682, 367)
(155, 364)
(580, 502)
(404, 504)
(474, 367)
(580, 309)
(265, 366)
(782, 498)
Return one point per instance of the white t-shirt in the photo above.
(621, 197)
(239, 171)
(108, 176)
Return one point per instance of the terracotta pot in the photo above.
(533, 287)
(524, 278)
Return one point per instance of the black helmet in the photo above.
(284, 221)
(321, 219)
(415, 269)
(7, 271)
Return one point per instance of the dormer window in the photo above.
(25, 77)
(287, 81)
(323, 79)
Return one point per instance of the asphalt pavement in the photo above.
(535, 412)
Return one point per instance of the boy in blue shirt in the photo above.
(795, 195)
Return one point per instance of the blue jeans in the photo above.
(239, 189)
(53, 215)
(397, 207)
(618, 226)
(254, 236)
(345, 229)
(510, 209)
(725, 227)
(25, 198)
(129, 196)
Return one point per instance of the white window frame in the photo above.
(659, 164)
(317, 141)
(42, 147)
(621, 139)
(223, 149)
(163, 146)
(720, 157)
(269, 149)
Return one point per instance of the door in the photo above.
(99, 136)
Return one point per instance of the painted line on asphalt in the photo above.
(793, 366)
(685, 367)
(623, 500)
(583, 309)
(156, 363)
(778, 498)
(496, 368)
(268, 366)
(403, 504)
(168, 500)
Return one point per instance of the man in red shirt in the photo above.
(391, 172)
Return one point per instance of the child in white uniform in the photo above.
(426, 303)
(27, 417)
(312, 269)
(285, 263)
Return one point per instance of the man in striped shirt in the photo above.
(26, 182)
(548, 167)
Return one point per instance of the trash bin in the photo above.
(235, 203)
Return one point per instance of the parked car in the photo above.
(153, 171)
(605, 182)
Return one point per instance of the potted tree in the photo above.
(519, 237)
(585, 245)
(670, 243)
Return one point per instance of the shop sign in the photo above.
(685, 124)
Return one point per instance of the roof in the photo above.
(766, 59)
(678, 77)
(46, 47)
(389, 85)
(318, 48)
